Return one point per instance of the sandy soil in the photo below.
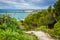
(41, 35)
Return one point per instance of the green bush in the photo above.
(12, 35)
(10, 29)
(42, 28)
(55, 33)
(57, 29)
(42, 18)
(51, 32)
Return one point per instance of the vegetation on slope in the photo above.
(47, 20)
(10, 29)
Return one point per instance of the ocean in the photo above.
(19, 16)
(17, 13)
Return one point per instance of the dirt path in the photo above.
(41, 35)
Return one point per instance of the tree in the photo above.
(57, 7)
(42, 18)
(50, 9)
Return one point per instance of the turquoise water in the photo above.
(18, 15)
(21, 15)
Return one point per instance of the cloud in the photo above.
(41, 2)
(37, 1)
(23, 4)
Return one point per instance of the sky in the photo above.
(26, 4)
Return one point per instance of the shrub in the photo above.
(57, 29)
(10, 29)
(42, 28)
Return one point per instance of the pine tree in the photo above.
(57, 7)
(50, 9)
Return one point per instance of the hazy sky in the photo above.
(25, 4)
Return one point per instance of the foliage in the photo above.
(57, 7)
(10, 29)
(42, 18)
(55, 33)
(57, 29)
(30, 21)
(49, 9)
(12, 35)
(45, 20)
(58, 18)
(57, 25)
(42, 28)
(6, 21)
